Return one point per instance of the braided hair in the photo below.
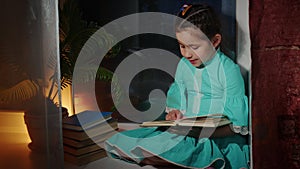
(199, 16)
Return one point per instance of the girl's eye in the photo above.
(194, 47)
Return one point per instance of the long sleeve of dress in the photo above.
(236, 103)
(176, 95)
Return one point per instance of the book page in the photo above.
(211, 120)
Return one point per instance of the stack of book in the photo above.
(84, 134)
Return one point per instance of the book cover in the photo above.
(90, 141)
(86, 158)
(212, 120)
(94, 131)
(81, 151)
(85, 120)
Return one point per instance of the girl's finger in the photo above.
(168, 116)
(173, 116)
(178, 115)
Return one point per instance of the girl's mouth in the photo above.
(193, 61)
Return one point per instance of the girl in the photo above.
(206, 82)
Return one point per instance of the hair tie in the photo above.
(185, 8)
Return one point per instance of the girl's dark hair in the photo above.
(201, 16)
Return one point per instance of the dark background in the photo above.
(104, 12)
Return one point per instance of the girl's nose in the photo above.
(188, 54)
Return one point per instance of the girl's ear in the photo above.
(216, 40)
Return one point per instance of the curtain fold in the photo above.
(275, 52)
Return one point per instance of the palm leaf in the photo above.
(22, 91)
(74, 33)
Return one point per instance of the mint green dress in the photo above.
(216, 87)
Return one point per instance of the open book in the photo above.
(211, 120)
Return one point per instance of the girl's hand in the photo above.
(174, 115)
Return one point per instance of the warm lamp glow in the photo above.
(13, 127)
(82, 102)
(66, 99)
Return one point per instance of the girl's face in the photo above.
(195, 46)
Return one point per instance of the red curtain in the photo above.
(275, 51)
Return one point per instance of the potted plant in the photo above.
(28, 93)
